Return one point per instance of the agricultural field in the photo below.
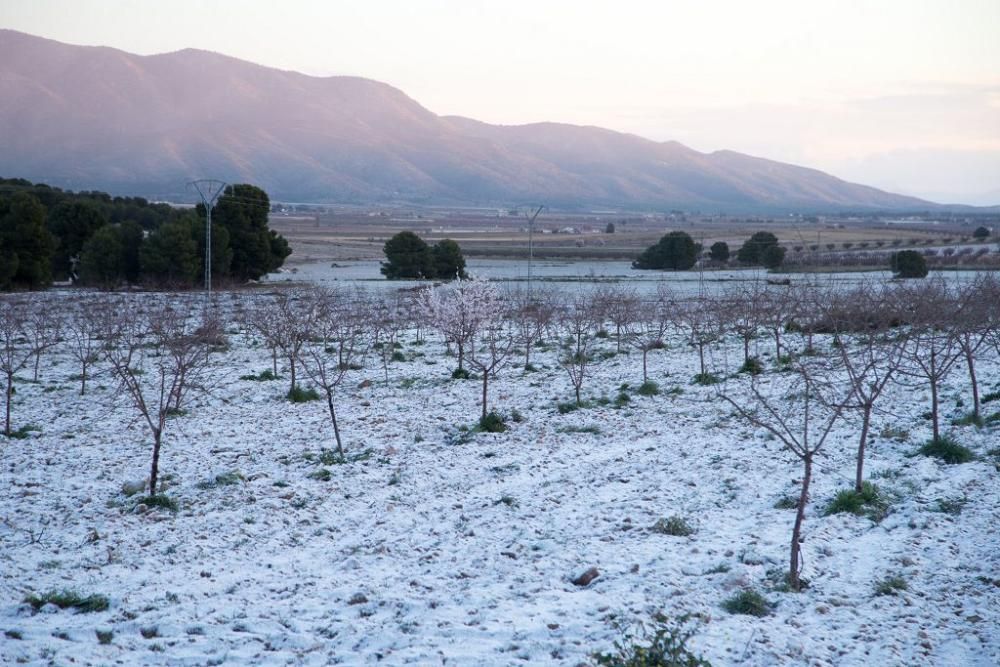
(331, 489)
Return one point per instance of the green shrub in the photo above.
(622, 399)
(580, 429)
(946, 449)
(968, 419)
(706, 379)
(990, 397)
(662, 644)
(752, 366)
(398, 356)
(299, 395)
(869, 502)
(104, 636)
(460, 374)
(648, 388)
(25, 431)
(748, 602)
(530, 368)
(676, 526)
(492, 423)
(566, 408)
(67, 599)
(789, 502)
(322, 475)
(890, 585)
(951, 505)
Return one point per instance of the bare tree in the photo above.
(870, 353)
(44, 326)
(800, 410)
(83, 327)
(14, 353)
(152, 352)
(494, 338)
(621, 305)
(743, 310)
(648, 323)
(331, 352)
(457, 312)
(975, 322)
(386, 321)
(702, 325)
(532, 315)
(292, 326)
(933, 347)
(577, 319)
(776, 308)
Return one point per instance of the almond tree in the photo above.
(869, 359)
(493, 336)
(577, 319)
(386, 320)
(330, 353)
(800, 410)
(152, 352)
(977, 319)
(457, 311)
(291, 327)
(648, 323)
(621, 305)
(45, 324)
(14, 353)
(702, 325)
(933, 346)
(743, 313)
(532, 315)
(84, 330)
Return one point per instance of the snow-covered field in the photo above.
(438, 546)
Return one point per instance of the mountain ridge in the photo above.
(95, 117)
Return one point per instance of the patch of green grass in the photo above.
(648, 388)
(870, 502)
(460, 374)
(492, 423)
(752, 366)
(516, 416)
(176, 412)
(580, 429)
(398, 356)
(894, 433)
(25, 431)
(947, 450)
(568, 407)
(263, 376)
(223, 479)
(530, 368)
(706, 379)
(676, 526)
(749, 603)
(104, 637)
(622, 399)
(968, 419)
(407, 383)
(509, 501)
(990, 397)
(13, 634)
(67, 599)
(952, 506)
(322, 475)
(159, 500)
(663, 644)
(298, 394)
(890, 585)
(789, 502)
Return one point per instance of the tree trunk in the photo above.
(486, 375)
(292, 366)
(461, 355)
(793, 564)
(970, 361)
(333, 418)
(701, 358)
(865, 423)
(777, 345)
(155, 467)
(618, 337)
(746, 349)
(645, 351)
(83, 379)
(576, 388)
(274, 361)
(10, 393)
(934, 395)
(38, 359)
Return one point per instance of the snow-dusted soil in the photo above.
(444, 548)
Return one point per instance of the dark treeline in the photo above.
(91, 238)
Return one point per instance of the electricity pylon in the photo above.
(209, 191)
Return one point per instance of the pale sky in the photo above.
(900, 94)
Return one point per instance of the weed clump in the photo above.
(159, 500)
(298, 394)
(492, 423)
(676, 526)
(890, 585)
(706, 379)
(460, 374)
(661, 644)
(263, 376)
(748, 602)
(67, 599)
(648, 388)
(946, 449)
(870, 502)
(752, 366)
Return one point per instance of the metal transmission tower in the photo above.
(209, 191)
(531, 227)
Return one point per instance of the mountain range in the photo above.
(84, 117)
